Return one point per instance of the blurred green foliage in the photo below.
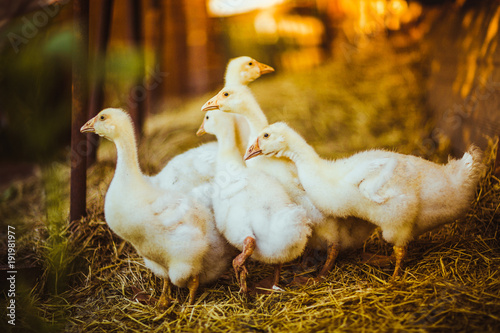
(35, 76)
(36, 92)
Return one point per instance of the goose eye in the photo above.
(250, 63)
(226, 94)
(206, 117)
(266, 135)
(102, 117)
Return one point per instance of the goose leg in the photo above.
(193, 284)
(276, 277)
(306, 257)
(239, 263)
(332, 253)
(400, 254)
(164, 301)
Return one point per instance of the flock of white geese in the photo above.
(262, 192)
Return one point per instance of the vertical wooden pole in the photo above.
(155, 27)
(174, 48)
(197, 27)
(99, 73)
(79, 110)
(138, 93)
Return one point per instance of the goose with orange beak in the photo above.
(251, 208)
(402, 194)
(173, 231)
(327, 233)
(243, 70)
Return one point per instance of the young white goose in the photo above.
(197, 166)
(174, 233)
(251, 209)
(241, 71)
(403, 194)
(328, 233)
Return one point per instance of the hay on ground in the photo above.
(451, 280)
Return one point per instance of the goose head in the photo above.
(233, 99)
(243, 70)
(109, 123)
(272, 141)
(215, 122)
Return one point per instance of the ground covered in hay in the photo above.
(83, 278)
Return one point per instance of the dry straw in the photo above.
(451, 281)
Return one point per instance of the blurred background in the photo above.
(158, 53)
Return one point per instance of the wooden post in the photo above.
(97, 94)
(154, 28)
(197, 27)
(174, 48)
(138, 92)
(79, 110)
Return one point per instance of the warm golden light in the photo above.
(380, 7)
(233, 7)
(306, 32)
(376, 15)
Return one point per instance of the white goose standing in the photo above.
(404, 195)
(251, 209)
(328, 233)
(175, 233)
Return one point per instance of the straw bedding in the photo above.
(91, 281)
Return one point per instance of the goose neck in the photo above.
(127, 164)
(228, 150)
(301, 153)
(257, 121)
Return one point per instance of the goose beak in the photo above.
(264, 69)
(211, 104)
(89, 126)
(201, 130)
(253, 150)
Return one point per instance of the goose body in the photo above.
(188, 170)
(328, 232)
(175, 233)
(402, 194)
(252, 210)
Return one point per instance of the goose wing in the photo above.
(370, 177)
